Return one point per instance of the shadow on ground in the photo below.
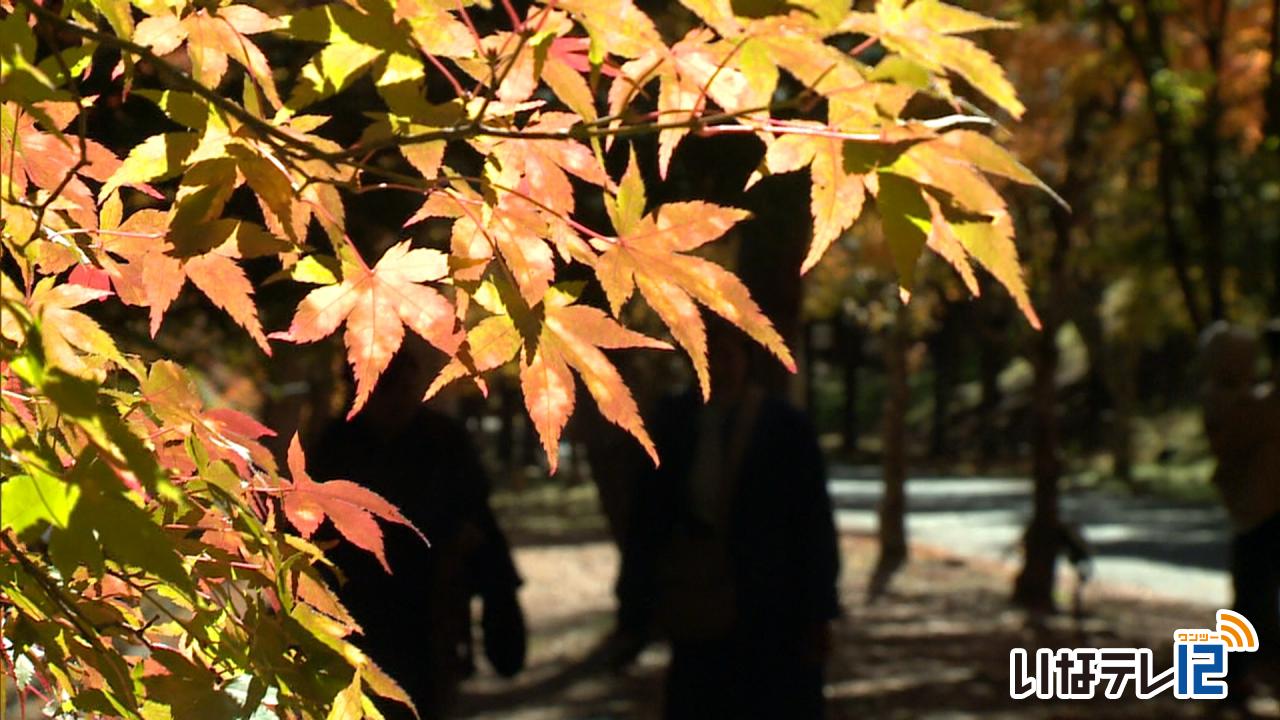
(936, 647)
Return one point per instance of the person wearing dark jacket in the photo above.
(733, 553)
(417, 620)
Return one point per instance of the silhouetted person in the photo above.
(417, 620)
(1242, 421)
(732, 552)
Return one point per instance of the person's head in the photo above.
(1229, 354)
(729, 358)
(398, 394)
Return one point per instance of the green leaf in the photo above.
(131, 537)
(21, 81)
(628, 206)
(76, 546)
(185, 109)
(26, 500)
(331, 71)
(130, 459)
(317, 269)
(991, 244)
(159, 157)
(906, 220)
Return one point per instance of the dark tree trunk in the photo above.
(992, 357)
(943, 354)
(1151, 57)
(807, 361)
(1271, 130)
(893, 501)
(1210, 206)
(1033, 588)
(1111, 366)
(850, 359)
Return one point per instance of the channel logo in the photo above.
(1200, 657)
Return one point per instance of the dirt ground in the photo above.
(936, 647)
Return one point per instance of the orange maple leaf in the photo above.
(649, 254)
(376, 304)
(212, 39)
(153, 276)
(572, 337)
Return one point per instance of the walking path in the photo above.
(1157, 548)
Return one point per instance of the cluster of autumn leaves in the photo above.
(538, 105)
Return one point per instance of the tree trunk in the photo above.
(1111, 364)
(1124, 394)
(991, 360)
(1033, 588)
(1211, 209)
(850, 359)
(1151, 57)
(893, 501)
(943, 355)
(1271, 132)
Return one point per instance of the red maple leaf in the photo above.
(349, 506)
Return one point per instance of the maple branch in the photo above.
(444, 70)
(286, 141)
(864, 46)
(471, 26)
(426, 188)
(180, 78)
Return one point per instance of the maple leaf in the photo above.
(569, 337)
(491, 343)
(425, 157)
(837, 196)
(563, 69)
(350, 507)
(952, 167)
(31, 156)
(434, 27)
(690, 72)
(924, 32)
(153, 275)
(72, 340)
(514, 229)
(541, 168)
(615, 26)
(572, 336)
(376, 304)
(213, 164)
(839, 166)
(385, 38)
(649, 254)
(211, 39)
(224, 433)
